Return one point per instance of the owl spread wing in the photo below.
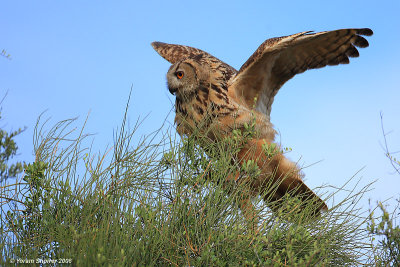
(174, 53)
(279, 59)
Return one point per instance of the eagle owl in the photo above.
(210, 94)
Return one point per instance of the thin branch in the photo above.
(388, 154)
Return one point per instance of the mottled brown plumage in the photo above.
(213, 96)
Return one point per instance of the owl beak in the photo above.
(172, 90)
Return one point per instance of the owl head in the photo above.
(191, 69)
(185, 77)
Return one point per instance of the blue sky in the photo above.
(72, 57)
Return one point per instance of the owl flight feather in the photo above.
(205, 85)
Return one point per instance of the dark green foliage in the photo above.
(8, 149)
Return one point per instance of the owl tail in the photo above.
(279, 178)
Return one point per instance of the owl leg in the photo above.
(245, 203)
(249, 211)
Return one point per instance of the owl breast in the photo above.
(209, 106)
(211, 111)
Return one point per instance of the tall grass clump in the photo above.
(159, 201)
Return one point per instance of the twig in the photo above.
(386, 148)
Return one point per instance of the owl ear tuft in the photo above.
(163, 49)
(157, 45)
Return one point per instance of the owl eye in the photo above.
(179, 74)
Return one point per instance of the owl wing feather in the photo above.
(279, 59)
(174, 53)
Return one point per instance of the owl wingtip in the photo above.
(366, 32)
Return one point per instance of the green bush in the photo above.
(387, 237)
(159, 203)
